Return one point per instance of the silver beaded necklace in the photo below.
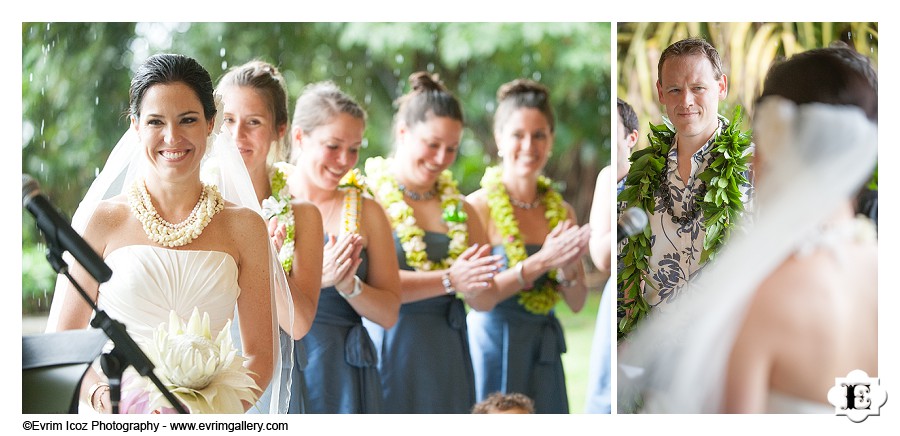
(524, 205)
(415, 196)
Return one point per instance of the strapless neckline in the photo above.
(140, 247)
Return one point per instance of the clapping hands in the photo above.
(473, 270)
(565, 244)
(340, 259)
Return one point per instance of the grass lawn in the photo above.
(579, 333)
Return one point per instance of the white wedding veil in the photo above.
(815, 157)
(222, 166)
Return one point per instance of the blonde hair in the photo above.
(320, 102)
(265, 79)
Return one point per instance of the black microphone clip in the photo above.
(59, 234)
(632, 222)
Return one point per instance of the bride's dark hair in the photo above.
(168, 68)
(832, 75)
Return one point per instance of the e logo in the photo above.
(857, 396)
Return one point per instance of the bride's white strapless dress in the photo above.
(778, 402)
(148, 282)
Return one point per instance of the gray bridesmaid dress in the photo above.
(425, 366)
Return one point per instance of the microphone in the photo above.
(59, 233)
(632, 222)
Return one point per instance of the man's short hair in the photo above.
(689, 47)
(629, 118)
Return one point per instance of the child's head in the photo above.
(505, 403)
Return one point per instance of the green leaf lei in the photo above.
(721, 205)
(540, 299)
(379, 172)
(279, 205)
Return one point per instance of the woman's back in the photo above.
(813, 319)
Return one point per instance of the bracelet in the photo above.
(520, 276)
(93, 391)
(448, 287)
(357, 289)
(561, 279)
(567, 283)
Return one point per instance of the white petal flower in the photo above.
(272, 207)
(285, 168)
(396, 209)
(206, 374)
(413, 244)
(209, 173)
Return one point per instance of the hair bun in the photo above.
(324, 87)
(521, 86)
(421, 81)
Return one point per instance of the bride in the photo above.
(215, 257)
(791, 304)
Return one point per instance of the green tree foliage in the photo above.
(75, 81)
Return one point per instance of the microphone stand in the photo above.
(125, 350)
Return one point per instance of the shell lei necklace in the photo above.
(279, 205)
(412, 237)
(721, 205)
(174, 235)
(540, 299)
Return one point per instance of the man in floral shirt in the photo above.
(691, 84)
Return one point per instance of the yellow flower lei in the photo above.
(279, 205)
(380, 172)
(538, 300)
(353, 184)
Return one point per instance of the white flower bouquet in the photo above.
(206, 374)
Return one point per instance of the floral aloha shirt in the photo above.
(676, 247)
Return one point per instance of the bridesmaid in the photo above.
(360, 272)
(255, 111)
(425, 366)
(517, 345)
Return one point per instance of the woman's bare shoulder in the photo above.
(242, 220)
(805, 288)
(477, 198)
(305, 210)
(111, 212)
(369, 204)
